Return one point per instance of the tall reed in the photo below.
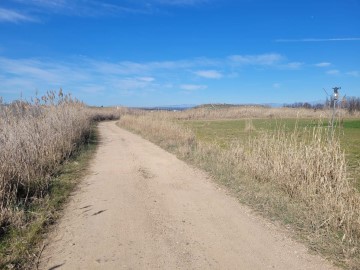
(35, 138)
(310, 168)
(300, 173)
(209, 113)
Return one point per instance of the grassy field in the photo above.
(283, 166)
(223, 132)
(350, 139)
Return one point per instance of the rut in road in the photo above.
(142, 208)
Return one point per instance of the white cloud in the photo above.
(130, 83)
(128, 67)
(267, 60)
(92, 89)
(323, 64)
(86, 75)
(209, 74)
(168, 85)
(171, 64)
(333, 72)
(262, 59)
(294, 65)
(27, 76)
(45, 71)
(182, 2)
(354, 73)
(120, 68)
(7, 15)
(92, 8)
(27, 68)
(96, 8)
(147, 79)
(17, 86)
(192, 87)
(46, 3)
(276, 85)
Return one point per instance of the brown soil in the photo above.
(142, 208)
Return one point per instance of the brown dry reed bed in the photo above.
(215, 113)
(299, 178)
(35, 139)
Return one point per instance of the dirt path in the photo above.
(142, 208)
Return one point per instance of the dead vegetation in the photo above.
(299, 177)
(236, 112)
(35, 139)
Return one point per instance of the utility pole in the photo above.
(335, 101)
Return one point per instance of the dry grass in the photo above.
(35, 138)
(163, 132)
(310, 169)
(236, 112)
(249, 126)
(38, 141)
(300, 178)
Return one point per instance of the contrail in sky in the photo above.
(318, 39)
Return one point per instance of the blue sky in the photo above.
(163, 52)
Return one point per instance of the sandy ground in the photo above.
(142, 208)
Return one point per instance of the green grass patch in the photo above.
(352, 124)
(20, 247)
(227, 130)
(223, 132)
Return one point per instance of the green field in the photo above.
(223, 132)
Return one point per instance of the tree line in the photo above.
(351, 104)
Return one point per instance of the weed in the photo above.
(296, 174)
(37, 139)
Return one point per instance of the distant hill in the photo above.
(181, 107)
(225, 105)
